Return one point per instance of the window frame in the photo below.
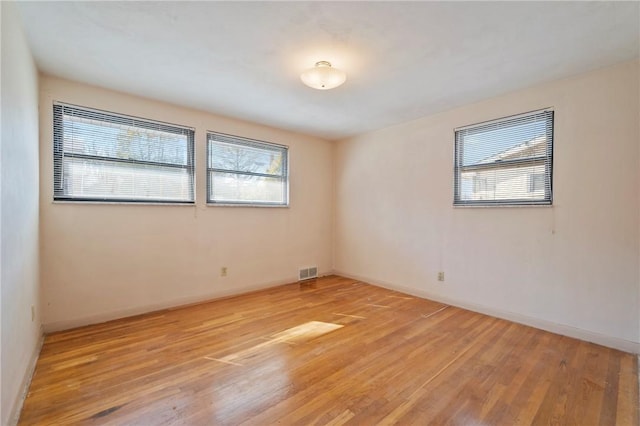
(546, 160)
(247, 142)
(117, 118)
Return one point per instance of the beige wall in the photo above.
(19, 213)
(101, 261)
(572, 268)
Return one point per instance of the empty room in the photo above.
(320, 213)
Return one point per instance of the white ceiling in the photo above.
(404, 60)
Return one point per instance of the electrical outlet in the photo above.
(33, 313)
(440, 276)
(223, 271)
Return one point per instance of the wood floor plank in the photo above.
(331, 351)
(627, 409)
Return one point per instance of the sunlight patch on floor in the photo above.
(294, 335)
(307, 331)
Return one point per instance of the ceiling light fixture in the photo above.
(323, 76)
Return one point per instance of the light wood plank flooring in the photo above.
(329, 352)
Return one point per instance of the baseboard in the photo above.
(563, 329)
(173, 304)
(14, 416)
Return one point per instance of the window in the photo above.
(505, 162)
(536, 182)
(101, 156)
(246, 172)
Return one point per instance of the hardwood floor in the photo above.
(333, 351)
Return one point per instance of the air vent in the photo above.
(307, 273)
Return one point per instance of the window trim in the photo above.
(144, 123)
(546, 160)
(247, 142)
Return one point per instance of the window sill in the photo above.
(267, 206)
(125, 203)
(494, 206)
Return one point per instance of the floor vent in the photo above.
(307, 273)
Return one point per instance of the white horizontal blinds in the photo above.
(101, 156)
(506, 161)
(245, 171)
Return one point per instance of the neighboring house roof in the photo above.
(535, 147)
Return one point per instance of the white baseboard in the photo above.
(565, 330)
(14, 416)
(54, 326)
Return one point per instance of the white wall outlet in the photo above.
(223, 271)
(440, 276)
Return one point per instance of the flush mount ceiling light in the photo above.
(323, 76)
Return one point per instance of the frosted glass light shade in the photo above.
(323, 76)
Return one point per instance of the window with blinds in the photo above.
(243, 171)
(505, 162)
(103, 156)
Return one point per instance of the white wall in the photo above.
(102, 261)
(19, 212)
(572, 268)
